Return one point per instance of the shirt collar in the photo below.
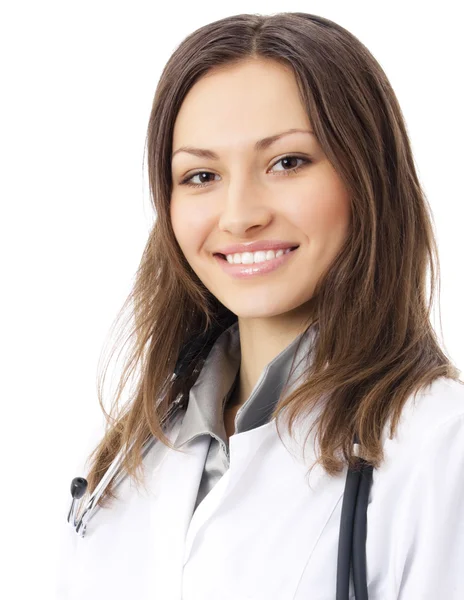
(215, 383)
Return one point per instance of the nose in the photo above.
(244, 208)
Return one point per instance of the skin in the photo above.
(249, 197)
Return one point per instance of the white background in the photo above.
(77, 81)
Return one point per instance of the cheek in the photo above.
(178, 224)
(189, 223)
(322, 211)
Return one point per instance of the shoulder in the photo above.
(431, 411)
(416, 506)
(424, 460)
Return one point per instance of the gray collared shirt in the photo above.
(212, 389)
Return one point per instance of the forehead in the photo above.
(239, 105)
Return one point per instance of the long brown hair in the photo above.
(376, 345)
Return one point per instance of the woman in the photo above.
(278, 140)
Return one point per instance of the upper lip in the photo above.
(256, 246)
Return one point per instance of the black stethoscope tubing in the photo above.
(353, 531)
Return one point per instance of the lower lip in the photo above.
(245, 271)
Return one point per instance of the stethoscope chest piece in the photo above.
(78, 489)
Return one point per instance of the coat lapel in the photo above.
(266, 479)
(174, 491)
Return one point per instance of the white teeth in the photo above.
(248, 258)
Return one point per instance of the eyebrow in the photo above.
(259, 146)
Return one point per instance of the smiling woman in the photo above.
(285, 278)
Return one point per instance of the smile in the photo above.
(247, 270)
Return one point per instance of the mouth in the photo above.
(223, 256)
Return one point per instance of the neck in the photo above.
(260, 344)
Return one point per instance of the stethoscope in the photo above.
(353, 522)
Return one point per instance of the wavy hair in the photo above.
(376, 345)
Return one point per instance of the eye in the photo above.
(288, 157)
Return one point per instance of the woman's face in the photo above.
(251, 194)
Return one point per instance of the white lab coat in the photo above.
(263, 533)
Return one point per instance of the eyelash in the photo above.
(306, 162)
